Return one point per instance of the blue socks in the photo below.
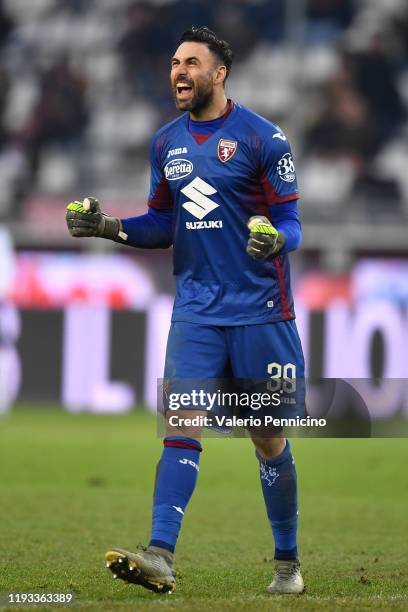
(176, 480)
(279, 486)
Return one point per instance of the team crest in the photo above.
(226, 149)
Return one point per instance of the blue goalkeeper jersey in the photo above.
(245, 168)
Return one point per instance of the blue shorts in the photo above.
(249, 351)
(251, 359)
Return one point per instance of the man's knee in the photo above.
(184, 423)
(269, 448)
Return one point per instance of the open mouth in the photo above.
(184, 91)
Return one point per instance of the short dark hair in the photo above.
(220, 48)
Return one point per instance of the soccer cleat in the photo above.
(287, 578)
(147, 568)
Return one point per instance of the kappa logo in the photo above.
(178, 169)
(197, 191)
(226, 149)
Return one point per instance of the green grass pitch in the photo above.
(71, 486)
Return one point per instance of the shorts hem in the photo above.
(236, 323)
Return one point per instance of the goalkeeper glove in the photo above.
(264, 239)
(86, 219)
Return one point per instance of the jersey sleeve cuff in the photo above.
(288, 197)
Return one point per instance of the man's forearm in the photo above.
(285, 218)
(153, 230)
(292, 233)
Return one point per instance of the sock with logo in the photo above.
(176, 480)
(279, 486)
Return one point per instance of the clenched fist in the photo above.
(85, 219)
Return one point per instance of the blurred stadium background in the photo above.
(83, 323)
(84, 84)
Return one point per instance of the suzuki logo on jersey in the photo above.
(286, 168)
(204, 224)
(179, 151)
(178, 169)
(199, 206)
(226, 149)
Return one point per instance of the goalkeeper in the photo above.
(228, 205)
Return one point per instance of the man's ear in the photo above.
(220, 75)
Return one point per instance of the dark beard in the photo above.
(200, 101)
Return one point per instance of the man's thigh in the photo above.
(268, 359)
(196, 352)
(262, 351)
(196, 358)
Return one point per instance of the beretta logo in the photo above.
(177, 169)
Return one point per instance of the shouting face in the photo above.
(194, 73)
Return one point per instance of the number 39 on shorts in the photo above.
(283, 376)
